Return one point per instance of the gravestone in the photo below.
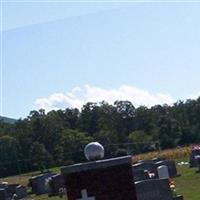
(57, 185)
(155, 189)
(38, 183)
(3, 194)
(171, 167)
(163, 172)
(3, 186)
(198, 165)
(149, 166)
(157, 159)
(109, 179)
(21, 192)
(140, 175)
(194, 156)
(145, 161)
(11, 188)
(154, 160)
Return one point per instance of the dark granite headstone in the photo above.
(145, 161)
(157, 159)
(38, 183)
(155, 189)
(110, 179)
(140, 175)
(3, 186)
(3, 194)
(11, 189)
(171, 167)
(21, 192)
(57, 185)
(195, 155)
(149, 166)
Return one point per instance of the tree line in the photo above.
(43, 140)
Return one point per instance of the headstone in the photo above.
(110, 179)
(140, 175)
(171, 167)
(154, 160)
(163, 172)
(145, 161)
(3, 186)
(38, 183)
(157, 159)
(198, 164)
(149, 166)
(3, 194)
(194, 156)
(21, 192)
(155, 189)
(57, 185)
(11, 189)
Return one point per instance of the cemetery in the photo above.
(98, 178)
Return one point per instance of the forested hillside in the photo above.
(56, 138)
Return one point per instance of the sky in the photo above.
(63, 54)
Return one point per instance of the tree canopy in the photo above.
(58, 137)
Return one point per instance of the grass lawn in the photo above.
(188, 184)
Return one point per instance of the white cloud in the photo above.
(194, 96)
(78, 96)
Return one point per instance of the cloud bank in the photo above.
(78, 96)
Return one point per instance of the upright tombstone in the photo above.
(100, 179)
(140, 175)
(21, 191)
(171, 167)
(163, 172)
(11, 189)
(155, 189)
(157, 159)
(38, 183)
(198, 162)
(194, 156)
(3, 194)
(57, 185)
(149, 166)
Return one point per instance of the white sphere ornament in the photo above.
(94, 151)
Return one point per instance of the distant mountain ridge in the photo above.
(7, 120)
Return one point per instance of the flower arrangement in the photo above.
(173, 188)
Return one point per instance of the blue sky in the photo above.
(58, 55)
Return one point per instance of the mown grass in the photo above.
(188, 184)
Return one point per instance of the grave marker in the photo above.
(38, 185)
(140, 175)
(3, 194)
(163, 172)
(171, 167)
(149, 166)
(110, 179)
(155, 189)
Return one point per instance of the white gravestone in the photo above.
(85, 196)
(163, 172)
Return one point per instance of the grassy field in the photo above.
(188, 184)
